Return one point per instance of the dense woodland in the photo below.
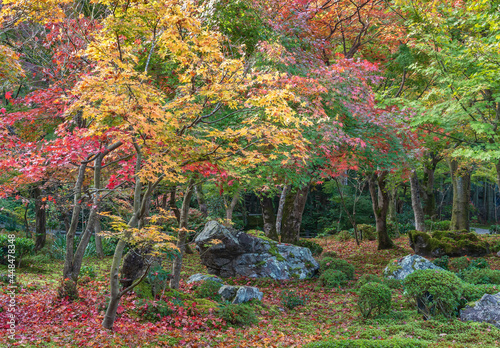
(363, 130)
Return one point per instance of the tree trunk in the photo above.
(292, 214)
(230, 208)
(268, 217)
(416, 204)
(98, 238)
(428, 186)
(181, 239)
(200, 196)
(281, 207)
(139, 208)
(460, 178)
(40, 221)
(73, 261)
(173, 204)
(380, 205)
(26, 224)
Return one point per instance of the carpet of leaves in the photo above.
(45, 321)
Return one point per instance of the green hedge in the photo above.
(391, 343)
(23, 247)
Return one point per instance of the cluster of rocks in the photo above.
(233, 294)
(227, 252)
(450, 243)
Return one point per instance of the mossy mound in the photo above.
(450, 243)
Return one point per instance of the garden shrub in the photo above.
(332, 278)
(393, 283)
(374, 299)
(360, 343)
(237, 314)
(368, 278)
(290, 299)
(23, 247)
(480, 276)
(337, 264)
(368, 232)
(459, 263)
(88, 271)
(153, 311)
(315, 248)
(442, 262)
(479, 263)
(330, 254)
(434, 292)
(343, 236)
(474, 292)
(209, 289)
(437, 225)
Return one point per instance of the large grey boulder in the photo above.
(240, 294)
(230, 253)
(199, 277)
(400, 269)
(486, 310)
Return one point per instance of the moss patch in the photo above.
(451, 243)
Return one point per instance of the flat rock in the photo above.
(400, 269)
(486, 310)
(246, 294)
(230, 253)
(199, 277)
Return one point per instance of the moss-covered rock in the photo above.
(450, 243)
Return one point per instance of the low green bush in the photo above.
(393, 283)
(330, 254)
(343, 236)
(291, 299)
(153, 311)
(474, 292)
(368, 232)
(21, 247)
(479, 263)
(480, 276)
(88, 271)
(374, 299)
(332, 278)
(209, 289)
(459, 263)
(434, 292)
(315, 248)
(389, 343)
(337, 264)
(438, 225)
(238, 314)
(442, 262)
(367, 278)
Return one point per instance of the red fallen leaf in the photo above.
(120, 310)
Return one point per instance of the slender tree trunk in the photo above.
(352, 218)
(173, 204)
(26, 224)
(40, 220)
(200, 196)
(460, 178)
(139, 208)
(230, 208)
(380, 205)
(268, 216)
(428, 195)
(98, 238)
(281, 207)
(416, 204)
(181, 241)
(292, 214)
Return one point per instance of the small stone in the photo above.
(228, 292)
(400, 269)
(246, 294)
(199, 277)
